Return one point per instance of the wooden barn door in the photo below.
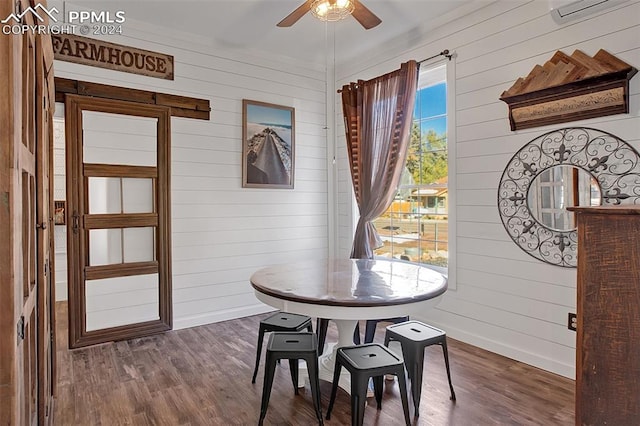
(26, 294)
(118, 231)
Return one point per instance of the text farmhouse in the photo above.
(97, 53)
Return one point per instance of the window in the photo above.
(415, 227)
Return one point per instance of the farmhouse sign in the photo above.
(97, 53)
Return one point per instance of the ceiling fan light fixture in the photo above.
(335, 10)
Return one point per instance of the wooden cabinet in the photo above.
(608, 313)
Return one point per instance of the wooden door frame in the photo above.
(76, 202)
(45, 235)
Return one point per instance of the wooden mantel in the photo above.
(569, 88)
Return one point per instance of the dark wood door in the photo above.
(118, 234)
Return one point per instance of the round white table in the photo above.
(348, 290)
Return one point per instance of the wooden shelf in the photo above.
(569, 88)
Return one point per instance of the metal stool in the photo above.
(370, 330)
(280, 321)
(414, 336)
(292, 346)
(364, 362)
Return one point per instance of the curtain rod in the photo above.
(444, 53)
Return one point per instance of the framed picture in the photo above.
(268, 145)
(59, 208)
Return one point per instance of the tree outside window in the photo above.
(415, 227)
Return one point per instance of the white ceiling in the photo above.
(251, 24)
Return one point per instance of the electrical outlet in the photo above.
(573, 322)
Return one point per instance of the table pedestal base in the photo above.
(327, 362)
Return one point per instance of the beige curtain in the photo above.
(378, 115)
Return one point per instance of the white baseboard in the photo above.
(499, 348)
(225, 315)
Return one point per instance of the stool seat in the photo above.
(414, 336)
(284, 321)
(416, 331)
(292, 346)
(369, 357)
(280, 321)
(365, 362)
(287, 343)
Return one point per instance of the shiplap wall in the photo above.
(59, 194)
(222, 233)
(505, 300)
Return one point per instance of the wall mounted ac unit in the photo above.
(566, 10)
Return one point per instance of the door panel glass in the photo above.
(113, 302)
(138, 244)
(105, 195)
(117, 245)
(119, 139)
(105, 246)
(137, 195)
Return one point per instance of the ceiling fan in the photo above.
(364, 16)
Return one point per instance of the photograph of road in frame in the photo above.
(268, 143)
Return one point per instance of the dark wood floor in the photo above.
(202, 376)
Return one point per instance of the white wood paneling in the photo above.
(59, 194)
(222, 233)
(505, 301)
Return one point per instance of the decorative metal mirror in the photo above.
(574, 166)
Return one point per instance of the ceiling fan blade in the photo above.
(366, 17)
(294, 16)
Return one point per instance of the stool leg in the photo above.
(359, 386)
(356, 334)
(258, 353)
(402, 385)
(269, 371)
(400, 319)
(312, 368)
(370, 331)
(377, 390)
(321, 331)
(446, 363)
(293, 367)
(414, 361)
(334, 388)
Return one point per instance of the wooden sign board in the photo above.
(102, 54)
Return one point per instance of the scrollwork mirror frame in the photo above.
(610, 160)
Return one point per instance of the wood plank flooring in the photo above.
(202, 376)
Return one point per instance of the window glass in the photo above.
(137, 195)
(105, 195)
(415, 227)
(121, 245)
